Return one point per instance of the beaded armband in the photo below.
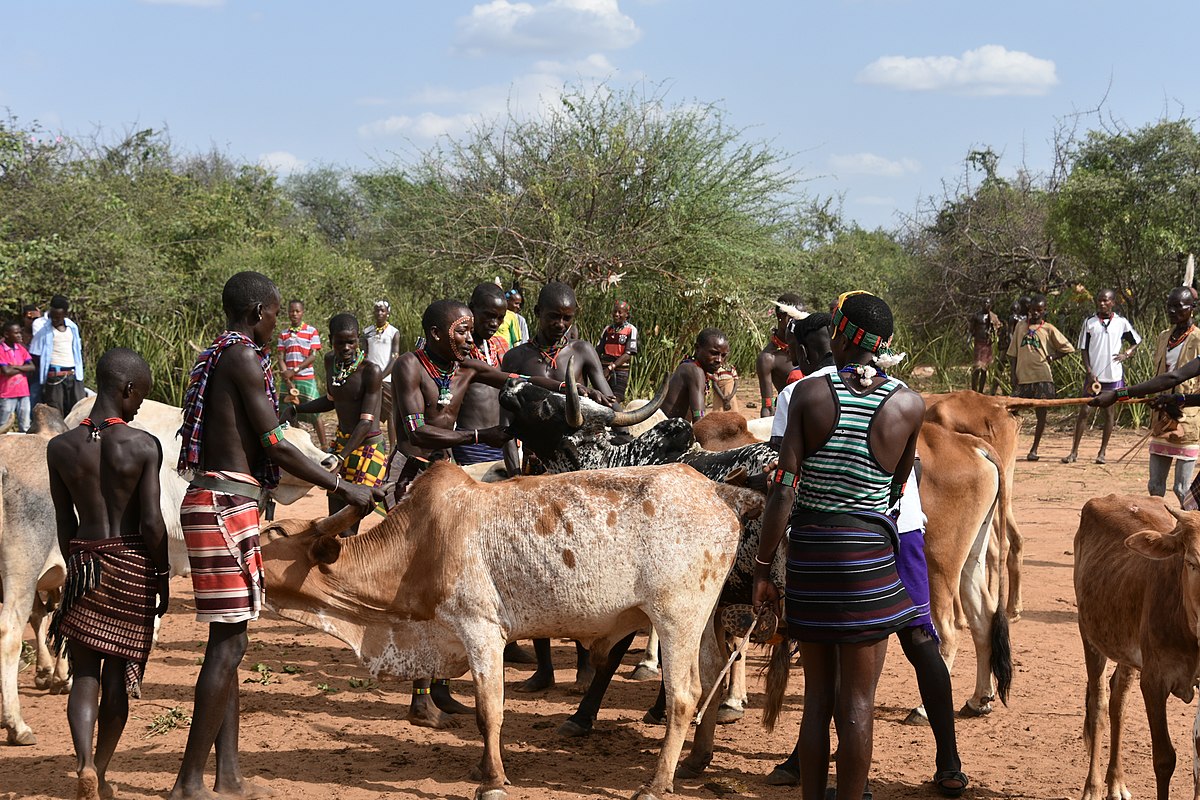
(785, 478)
(514, 376)
(413, 421)
(769, 402)
(697, 414)
(272, 437)
(1122, 394)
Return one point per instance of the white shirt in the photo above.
(62, 352)
(379, 346)
(912, 516)
(1102, 342)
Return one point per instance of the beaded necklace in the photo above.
(864, 372)
(780, 344)
(441, 377)
(1175, 341)
(96, 428)
(346, 369)
(551, 353)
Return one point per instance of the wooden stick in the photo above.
(1137, 446)
(1023, 402)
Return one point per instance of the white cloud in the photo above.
(988, 70)
(281, 162)
(871, 164)
(193, 3)
(537, 91)
(553, 27)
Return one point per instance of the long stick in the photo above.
(1023, 402)
(1137, 446)
(737, 651)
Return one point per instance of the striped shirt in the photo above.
(842, 476)
(295, 345)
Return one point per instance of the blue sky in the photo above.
(878, 101)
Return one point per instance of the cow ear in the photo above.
(325, 549)
(1154, 544)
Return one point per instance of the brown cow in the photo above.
(591, 555)
(1137, 586)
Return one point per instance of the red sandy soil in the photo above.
(352, 743)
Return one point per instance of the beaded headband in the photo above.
(858, 337)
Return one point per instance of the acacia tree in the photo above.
(607, 185)
(1129, 208)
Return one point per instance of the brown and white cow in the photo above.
(459, 568)
(1137, 587)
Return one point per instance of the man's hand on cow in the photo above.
(496, 436)
(1104, 399)
(360, 497)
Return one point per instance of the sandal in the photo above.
(947, 776)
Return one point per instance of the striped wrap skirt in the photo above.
(842, 582)
(221, 532)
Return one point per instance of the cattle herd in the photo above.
(596, 550)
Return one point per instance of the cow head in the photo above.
(318, 537)
(546, 421)
(1183, 541)
(723, 430)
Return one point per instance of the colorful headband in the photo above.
(384, 304)
(858, 337)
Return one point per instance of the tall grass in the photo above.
(169, 345)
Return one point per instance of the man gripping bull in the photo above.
(233, 446)
(430, 386)
(548, 354)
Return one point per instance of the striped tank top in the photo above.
(842, 476)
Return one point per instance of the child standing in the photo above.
(1035, 343)
(16, 365)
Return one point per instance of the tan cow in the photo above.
(459, 568)
(1137, 586)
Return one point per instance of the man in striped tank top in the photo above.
(846, 454)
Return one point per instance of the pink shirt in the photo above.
(14, 385)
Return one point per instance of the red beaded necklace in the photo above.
(96, 428)
(1175, 341)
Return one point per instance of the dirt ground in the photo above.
(322, 729)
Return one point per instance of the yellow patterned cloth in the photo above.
(367, 465)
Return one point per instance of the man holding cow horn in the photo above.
(233, 446)
(429, 385)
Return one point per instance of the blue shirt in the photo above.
(43, 343)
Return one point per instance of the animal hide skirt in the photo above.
(842, 582)
(221, 532)
(109, 602)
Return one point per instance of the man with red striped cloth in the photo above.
(116, 545)
(233, 448)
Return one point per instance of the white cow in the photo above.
(30, 561)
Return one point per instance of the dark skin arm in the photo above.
(154, 529)
(410, 398)
(811, 417)
(15, 369)
(245, 378)
(1156, 385)
(65, 520)
(688, 383)
(372, 393)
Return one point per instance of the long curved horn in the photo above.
(337, 522)
(623, 419)
(574, 412)
(1175, 512)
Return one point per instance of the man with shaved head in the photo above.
(774, 363)
(689, 383)
(104, 481)
(430, 385)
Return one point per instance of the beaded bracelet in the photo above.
(785, 478)
(272, 437)
(769, 402)
(1122, 394)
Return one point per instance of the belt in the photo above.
(226, 486)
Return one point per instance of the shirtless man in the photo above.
(982, 326)
(547, 354)
(774, 363)
(354, 388)
(233, 446)
(430, 385)
(481, 405)
(112, 529)
(688, 385)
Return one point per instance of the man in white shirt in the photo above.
(1101, 341)
(382, 342)
(59, 348)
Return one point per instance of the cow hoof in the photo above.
(645, 793)
(969, 710)
(727, 715)
(916, 717)
(490, 794)
(573, 729)
(652, 717)
(43, 678)
(23, 738)
(643, 673)
(60, 687)
(691, 768)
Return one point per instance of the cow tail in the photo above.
(1001, 661)
(777, 682)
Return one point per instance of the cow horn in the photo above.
(337, 522)
(574, 412)
(624, 419)
(1175, 512)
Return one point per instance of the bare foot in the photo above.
(427, 715)
(88, 786)
(445, 701)
(1101, 458)
(108, 790)
(199, 793)
(1033, 456)
(246, 790)
(515, 654)
(537, 682)
(1070, 458)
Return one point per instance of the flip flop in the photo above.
(942, 777)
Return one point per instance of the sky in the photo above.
(874, 102)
